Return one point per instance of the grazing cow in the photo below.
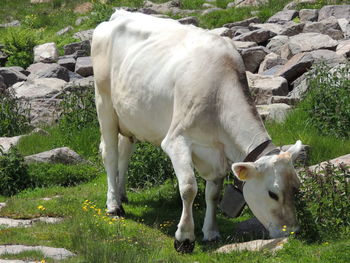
(185, 89)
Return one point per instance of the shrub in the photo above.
(101, 12)
(46, 175)
(149, 166)
(19, 44)
(323, 206)
(14, 119)
(327, 101)
(14, 176)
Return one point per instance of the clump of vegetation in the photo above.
(19, 44)
(323, 205)
(14, 176)
(47, 175)
(14, 119)
(327, 100)
(149, 166)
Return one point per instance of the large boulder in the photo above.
(11, 75)
(62, 155)
(43, 70)
(337, 11)
(47, 53)
(263, 87)
(328, 27)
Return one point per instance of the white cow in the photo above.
(185, 89)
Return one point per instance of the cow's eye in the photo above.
(273, 195)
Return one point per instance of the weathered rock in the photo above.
(253, 56)
(2, 205)
(343, 48)
(296, 66)
(327, 56)
(272, 71)
(191, 20)
(47, 53)
(276, 43)
(170, 7)
(11, 75)
(80, 83)
(342, 160)
(51, 252)
(243, 23)
(14, 23)
(270, 61)
(338, 11)
(244, 44)
(211, 10)
(328, 27)
(9, 222)
(282, 99)
(344, 25)
(207, 6)
(308, 15)
(7, 142)
(242, 3)
(74, 76)
(71, 48)
(84, 35)
(276, 112)
(43, 70)
(148, 11)
(292, 5)
(300, 86)
(273, 27)
(263, 87)
(62, 155)
(222, 31)
(239, 30)
(81, 20)
(283, 16)
(259, 36)
(68, 63)
(40, 1)
(64, 31)
(272, 245)
(310, 41)
(83, 66)
(289, 28)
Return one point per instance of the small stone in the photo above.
(270, 61)
(211, 10)
(84, 35)
(259, 36)
(191, 20)
(14, 23)
(308, 15)
(47, 53)
(81, 20)
(83, 66)
(275, 112)
(7, 142)
(283, 16)
(62, 155)
(51, 252)
(243, 23)
(68, 63)
(253, 56)
(244, 44)
(64, 31)
(83, 46)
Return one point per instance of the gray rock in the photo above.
(264, 87)
(282, 99)
(20, 69)
(239, 30)
(3, 86)
(253, 56)
(148, 11)
(272, 71)
(11, 75)
(14, 23)
(46, 53)
(296, 66)
(83, 66)
(81, 20)
(243, 23)
(211, 10)
(243, 3)
(43, 70)
(308, 15)
(62, 155)
(64, 31)
(273, 27)
(327, 56)
(283, 16)
(244, 44)
(343, 49)
(270, 61)
(74, 76)
(191, 20)
(7, 142)
(207, 6)
(300, 86)
(289, 28)
(342, 160)
(9, 222)
(222, 31)
(83, 46)
(259, 36)
(344, 25)
(328, 27)
(84, 35)
(86, 83)
(275, 112)
(310, 41)
(292, 5)
(338, 11)
(51, 252)
(271, 245)
(68, 63)
(275, 44)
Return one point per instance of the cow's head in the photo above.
(270, 184)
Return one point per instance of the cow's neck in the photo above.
(265, 148)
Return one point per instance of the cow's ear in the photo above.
(295, 150)
(244, 171)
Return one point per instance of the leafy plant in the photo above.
(323, 203)
(149, 166)
(101, 12)
(14, 119)
(19, 44)
(327, 101)
(14, 176)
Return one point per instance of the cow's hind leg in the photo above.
(125, 150)
(212, 193)
(109, 147)
(180, 154)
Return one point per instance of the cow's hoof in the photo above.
(119, 212)
(185, 246)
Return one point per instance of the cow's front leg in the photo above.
(212, 193)
(180, 154)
